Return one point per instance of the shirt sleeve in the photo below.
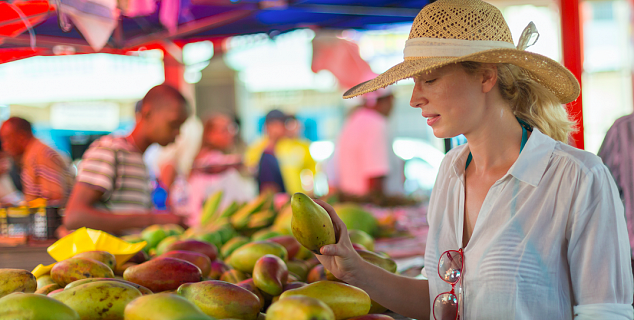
(45, 175)
(374, 152)
(598, 250)
(611, 154)
(98, 168)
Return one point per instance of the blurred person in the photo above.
(113, 192)
(44, 173)
(9, 194)
(365, 160)
(296, 163)
(261, 155)
(617, 152)
(217, 167)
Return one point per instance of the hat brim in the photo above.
(544, 70)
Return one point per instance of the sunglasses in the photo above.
(450, 267)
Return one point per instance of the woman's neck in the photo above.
(495, 142)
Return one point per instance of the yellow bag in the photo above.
(85, 239)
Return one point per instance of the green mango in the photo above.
(31, 306)
(153, 235)
(345, 300)
(99, 300)
(139, 287)
(165, 243)
(378, 260)
(270, 274)
(311, 224)
(282, 222)
(73, 269)
(48, 288)
(222, 300)
(362, 238)
(230, 210)
(44, 280)
(240, 219)
(163, 306)
(102, 256)
(357, 218)
(212, 237)
(233, 244)
(16, 280)
(173, 229)
(245, 257)
(299, 308)
(264, 234)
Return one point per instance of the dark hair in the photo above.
(20, 125)
(159, 95)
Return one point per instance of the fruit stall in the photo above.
(250, 260)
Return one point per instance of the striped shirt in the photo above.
(617, 152)
(115, 166)
(44, 174)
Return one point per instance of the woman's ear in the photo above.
(489, 77)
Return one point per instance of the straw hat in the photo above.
(452, 31)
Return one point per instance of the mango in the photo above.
(245, 257)
(311, 224)
(233, 244)
(261, 219)
(299, 308)
(73, 269)
(210, 210)
(118, 271)
(378, 260)
(166, 242)
(27, 306)
(357, 218)
(270, 274)
(298, 268)
(140, 257)
(48, 288)
(233, 276)
(163, 306)
(240, 218)
(293, 277)
(200, 260)
(173, 229)
(377, 308)
(318, 273)
(345, 300)
(99, 300)
(250, 285)
(208, 249)
(290, 286)
(153, 235)
(16, 280)
(264, 234)
(139, 287)
(162, 274)
(220, 299)
(213, 237)
(282, 223)
(373, 317)
(44, 280)
(289, 242)
(362, 238)
(50, 294)
(102, 256)
(217, 268)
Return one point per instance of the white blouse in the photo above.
(550, 241)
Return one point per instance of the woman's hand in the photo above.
(340, 259)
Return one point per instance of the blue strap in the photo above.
(525, 127)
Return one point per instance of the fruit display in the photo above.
(248, 261)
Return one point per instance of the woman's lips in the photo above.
(431, 118)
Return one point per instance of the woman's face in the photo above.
(222, 133)
(451, 99)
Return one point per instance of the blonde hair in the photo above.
(530, 101)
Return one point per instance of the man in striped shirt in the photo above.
(44, 172)
(113, 191)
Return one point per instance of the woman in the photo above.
(217, 168)
(522, 226)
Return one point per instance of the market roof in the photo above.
(200, 19)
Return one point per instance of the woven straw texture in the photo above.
(472, 20)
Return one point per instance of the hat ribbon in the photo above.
(434, 47)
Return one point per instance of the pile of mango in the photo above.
(247, 264)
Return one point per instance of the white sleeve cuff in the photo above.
(604, 311)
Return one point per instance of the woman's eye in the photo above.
(430, 81)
